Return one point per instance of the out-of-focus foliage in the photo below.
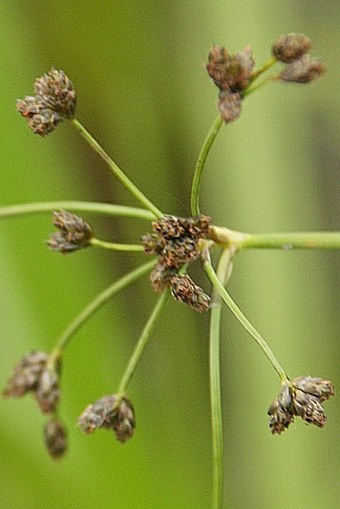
(143, 92)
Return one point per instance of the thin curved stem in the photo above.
(113, 246)
(267, 65)
(251, 88)
(202, 157)
(82, 206)
(215, 383)
(244, 320)
(130, 186)
(97, 303)
(141, 344)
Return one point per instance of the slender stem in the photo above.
(215, 384)
(244, 321)
(97, 303)
(130, 186)
(215, 403)
(84, 206)
(289, 241)
(251, 88)
(285, 241)
(114, 246)
(267, 65)
(211, 136)
(202, 157)
(141, 344)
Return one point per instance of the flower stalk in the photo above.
(96, 304)
(106, 209)
(114, 246)
(130, 186)
(262, 343)
(201, 160)
(141, 344)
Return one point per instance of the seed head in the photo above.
(55, 438)
(230, 72)
(175, 239)
(47, 393)
(300, 398)
(74, 233)
(185, 290)
(161, 275)
(281, 411)
(230, 105)
(321, 389)
(303, 70)
(56, 90)
(152, 243)
(26, 375)
(55, 100)
(290, 47)
(110, 412)
(37, 374)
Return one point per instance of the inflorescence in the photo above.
(176, 241)
(234, 74)
(73, 233)
(110, 412)
(300, 398)
(39, 373)
(53, 102)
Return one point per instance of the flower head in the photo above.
(55, 438)
(185, 290)
(303, 70)
(300, 398)
(38, 373)
(55, 89)
(231, 74)
(55, 100)
(110, 412)
(290, 47)
(73, 233)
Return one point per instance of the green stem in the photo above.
(244, 321)
(114, 246)
(83, 206)
(97, 303)
(267, 65)
(215, 384)
(251, 88)
(116, 170)
(141, 344)
(285, 241)
(202, 157)
(289, 241)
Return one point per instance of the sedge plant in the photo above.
(174, 244)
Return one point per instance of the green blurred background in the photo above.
(138, 69)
